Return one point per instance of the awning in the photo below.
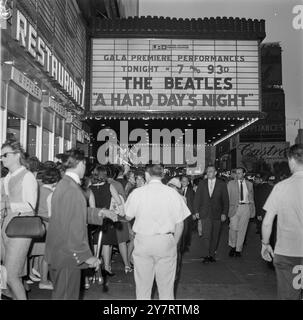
(218, 126)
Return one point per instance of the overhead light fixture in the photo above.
(232, 125)
(236, 131)
(9, 62)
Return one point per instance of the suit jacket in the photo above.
(66, 239)
(190, 195)
(261, 193)
(234, 196)
(211, 206)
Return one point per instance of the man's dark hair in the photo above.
(155, 170)
(241, 168)
(73, 156)
(211, 165)
(296, 152)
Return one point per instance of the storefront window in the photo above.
(66, 145)
(31, 139)
(13, 127)
(56, 145)
(45, 145)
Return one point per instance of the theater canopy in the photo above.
(156, 68)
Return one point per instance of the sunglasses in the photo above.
(4, 155)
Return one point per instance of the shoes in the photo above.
(34, 278)
(232, 252)
(29, 281)
(205, 259)
(211, 259)
(238, 254)
(46, 285)
(108, 273)
(36, 273)
(128, 269)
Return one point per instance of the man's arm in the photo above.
(271, 207)
(252, 205)
(197, 198)
(178, 231)
(225, 199)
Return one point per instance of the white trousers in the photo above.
(238, 227)
(155, 257)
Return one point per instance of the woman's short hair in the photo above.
(140, 174)
(50, 176)
(34, 164)
(73, 157)
(17, 148)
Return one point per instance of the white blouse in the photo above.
(29, 191)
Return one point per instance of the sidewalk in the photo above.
(229, 278)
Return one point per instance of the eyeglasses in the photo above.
(4, 155)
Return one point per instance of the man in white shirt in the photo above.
(286, 202)
(159, 212)
(241, 209)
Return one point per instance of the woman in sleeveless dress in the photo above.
(18, 195)
(103, 192)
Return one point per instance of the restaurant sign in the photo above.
(163, 74)
(29, 39)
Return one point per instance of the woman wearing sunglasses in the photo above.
(18, 195)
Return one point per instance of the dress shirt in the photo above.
(211, 185)
(74, 176)
(29, 191)
(156, 207)
(245, 192)
(286, 202)
(184, 190)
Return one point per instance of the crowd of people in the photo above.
(148, 217)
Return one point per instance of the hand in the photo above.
(223, 217)
(110, 215)
(197, 216)
(93, 262)
(259, 218)
(267, 252)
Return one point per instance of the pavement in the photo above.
(245, 278)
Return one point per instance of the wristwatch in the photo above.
(264, 244)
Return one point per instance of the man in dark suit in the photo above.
(67, 250)
(188, 192)
(211, 205)
(262, 190)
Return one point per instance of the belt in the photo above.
(243, 203)
(162, 234)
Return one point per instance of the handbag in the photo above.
(26, 227)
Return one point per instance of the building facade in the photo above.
(262, 146)
(44, 66)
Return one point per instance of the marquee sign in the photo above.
(175, 75)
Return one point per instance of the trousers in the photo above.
(289, 280)
(238, 227)
(210, 235)
(155, 257)
(66, 282)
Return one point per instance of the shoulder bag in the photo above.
(26, 226)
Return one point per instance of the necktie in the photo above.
(184, 192)
(241, 191)
(211, 187)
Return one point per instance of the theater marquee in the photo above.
(175, 75)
